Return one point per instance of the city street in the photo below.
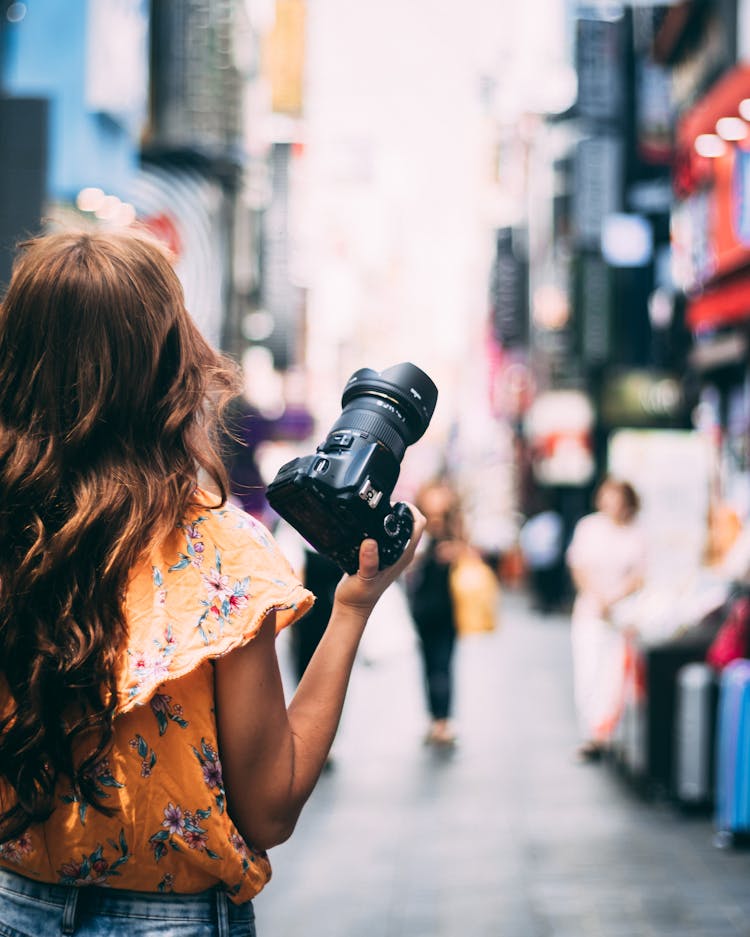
(499, 246)
(506, 837)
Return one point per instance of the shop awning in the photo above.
(721, 101)
(720, 306)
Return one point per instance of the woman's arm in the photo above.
(630, 584)
(272, 756)
(585, 583)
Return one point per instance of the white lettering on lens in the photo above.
(389, 406)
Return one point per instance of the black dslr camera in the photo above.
(341, 495)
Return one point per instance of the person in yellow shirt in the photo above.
(148, 758)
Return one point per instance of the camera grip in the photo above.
(392, 538)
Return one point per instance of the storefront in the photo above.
(711, 265)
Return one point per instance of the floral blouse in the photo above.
(198, 597)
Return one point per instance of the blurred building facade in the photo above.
(618, 296)
(607, 225)
(707, 49)
(68, 121)
(160, 113)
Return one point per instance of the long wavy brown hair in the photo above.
(109, 402)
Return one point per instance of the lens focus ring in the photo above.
(369, 422)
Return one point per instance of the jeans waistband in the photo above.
(211, 906)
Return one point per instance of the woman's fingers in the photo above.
(417, 531)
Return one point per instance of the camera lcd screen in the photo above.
(307, 513)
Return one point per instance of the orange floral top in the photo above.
(200, 596)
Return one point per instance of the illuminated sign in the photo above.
(741, 196)
(627, 240)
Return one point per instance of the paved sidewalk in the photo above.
(507, 837)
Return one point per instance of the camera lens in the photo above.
(395, 405)
(341, 494)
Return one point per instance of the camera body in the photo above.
(341, 495)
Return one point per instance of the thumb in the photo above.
(368, 559)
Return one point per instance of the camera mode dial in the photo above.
(391, 525)
(398, 527)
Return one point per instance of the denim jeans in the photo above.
(34, 909)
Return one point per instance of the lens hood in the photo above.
(405, 385)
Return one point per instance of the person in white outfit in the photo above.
(606, 557)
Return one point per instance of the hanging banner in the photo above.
(597, 187)
(284, 57)
(601, 67)
(509, 287)
(558, 427)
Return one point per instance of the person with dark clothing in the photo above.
(321, 576)
(431, 603)
(246, 429)
(541, 541)
(432, 610)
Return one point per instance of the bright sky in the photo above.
(399, 158)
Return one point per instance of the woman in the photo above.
(431, 602)
(145, 744)
(606, 559)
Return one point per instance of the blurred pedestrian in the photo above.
(246, 430)
(541, 541)
(321, 576)
(145, 743)
(607, 562)
(431, 601)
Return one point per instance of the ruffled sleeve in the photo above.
(202, 595)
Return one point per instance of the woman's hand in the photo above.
(362, 590)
